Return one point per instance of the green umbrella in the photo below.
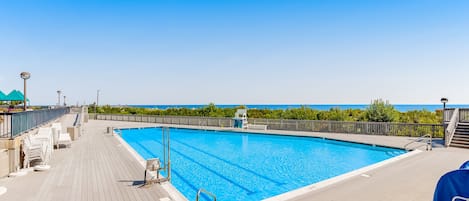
(15, 95)
(3, 97)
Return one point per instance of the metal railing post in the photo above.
(11, 126)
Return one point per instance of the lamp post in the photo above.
(58, 97)
(444, 101)
(96, 106)
(25, 76)
(97, 98)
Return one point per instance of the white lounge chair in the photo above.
(61, 138)
(33, 150)
(45, 134)
(57, 126)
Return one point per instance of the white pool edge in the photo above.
(316, 186)
(173, 193)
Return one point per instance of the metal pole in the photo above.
(164, 146)
(58, 98)
(11, 126)
(24, 107)
(65, 104)
(444, 125)
(169, 156)
(96, 106)
(25, 76)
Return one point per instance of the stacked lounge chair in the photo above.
(33, 150)
(40, 146)
(45, 135)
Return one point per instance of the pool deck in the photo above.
(96, 167)
(88, 172)
(412, 179)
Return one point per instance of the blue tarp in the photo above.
(453, 186)
(465, 166)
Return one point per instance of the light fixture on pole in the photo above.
(58, 97)
(444, 101)
(25, 76)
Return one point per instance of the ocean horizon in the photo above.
(399, 107)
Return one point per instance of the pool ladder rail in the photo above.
(425, 138)
(206, 193)
(118, 131)
(156, 165)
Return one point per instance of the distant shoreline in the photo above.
(399, 107)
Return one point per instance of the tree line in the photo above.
(377, 111)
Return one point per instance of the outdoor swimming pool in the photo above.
(248, 166)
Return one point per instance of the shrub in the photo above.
(380, 111)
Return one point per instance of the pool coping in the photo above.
(325, 183)
(296, 193)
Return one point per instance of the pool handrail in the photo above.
(201, 190)
(118, 131)
(428, 142)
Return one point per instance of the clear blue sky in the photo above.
(237, 51)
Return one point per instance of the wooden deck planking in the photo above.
(109, 160)
(95, 168)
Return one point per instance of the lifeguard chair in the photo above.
(241, 118)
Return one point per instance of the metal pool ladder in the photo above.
(165, 135)
(428, 142)
(119, 131)
(206, 193)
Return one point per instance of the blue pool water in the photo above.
(246, 166)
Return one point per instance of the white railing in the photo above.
(369, 128)
(451, 128)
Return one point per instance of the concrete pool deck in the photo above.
(88, 172)
(412, 179)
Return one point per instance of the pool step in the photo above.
(393, 153)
